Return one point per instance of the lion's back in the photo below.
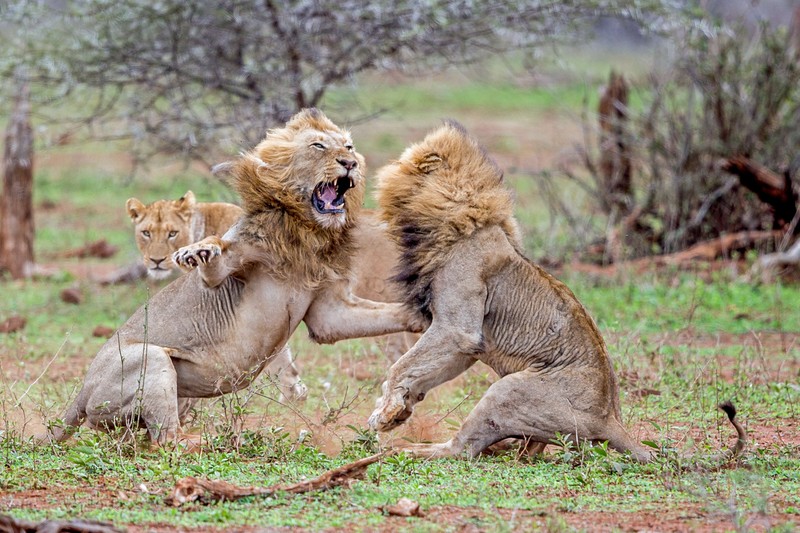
(534, 321)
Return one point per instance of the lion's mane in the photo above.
(429, 212)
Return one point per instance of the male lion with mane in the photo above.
(463, 269)
(213, 330)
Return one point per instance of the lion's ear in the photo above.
(187, 199)
(185, 205)
(135, 208)
(304, 118)
(429, 163)
(223, 170)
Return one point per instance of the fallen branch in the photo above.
(771, 188)
(767, 264)
(11, 525)
(721, 246)
(205, 490)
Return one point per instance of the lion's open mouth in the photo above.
(328, 197)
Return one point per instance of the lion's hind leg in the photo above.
(535, 407)
(289, 383)
(136, 388)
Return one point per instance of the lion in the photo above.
(464, 271)
(164, 226)
(213, 330)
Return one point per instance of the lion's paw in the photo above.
(390, 413)
(296, 392)
(194, 255)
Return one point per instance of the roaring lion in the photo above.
(163, 226)
(463, 269)
(287, 260)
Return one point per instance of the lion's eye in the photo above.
(146, 233)
(172, 234)
(318, 146)
(349, 147)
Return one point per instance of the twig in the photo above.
(19, 401)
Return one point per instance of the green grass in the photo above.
(671, 302)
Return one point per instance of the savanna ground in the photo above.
(682, 341)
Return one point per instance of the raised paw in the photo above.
(194, 255)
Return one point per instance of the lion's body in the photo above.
(286, 260)
(160, 228)
(462, 268)
(164, 226)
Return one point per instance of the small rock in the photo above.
(12, 324)
(102, 331)
(71, 296)
(404, 507)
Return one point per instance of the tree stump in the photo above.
(16, 203)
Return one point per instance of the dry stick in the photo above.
(190, 489)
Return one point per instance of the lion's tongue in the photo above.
(328, 194)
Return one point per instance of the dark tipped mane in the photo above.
(439, 191)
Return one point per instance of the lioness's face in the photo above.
(160, 229)
(336, 168)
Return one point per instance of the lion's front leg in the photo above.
(436, 358)
(335, 314)
(207, 257)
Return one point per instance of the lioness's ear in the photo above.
(187, 199)
(135, 208)
(185, 205)
(429, 162)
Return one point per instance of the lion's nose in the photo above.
(157, 262)
(349, 164)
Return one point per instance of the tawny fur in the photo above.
(160, 228)
(462, 268)
(213, 330)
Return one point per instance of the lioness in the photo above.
(214, 329)
(164, 226)
(463, 269)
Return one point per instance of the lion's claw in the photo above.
(196, 254)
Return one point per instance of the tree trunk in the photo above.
(16, 203)
(771, 188)
(615, 157)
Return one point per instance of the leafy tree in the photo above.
(200, 78)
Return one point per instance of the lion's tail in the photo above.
(734, 451)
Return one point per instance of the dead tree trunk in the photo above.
(771, 188)
(16, 203)
(615, 157)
